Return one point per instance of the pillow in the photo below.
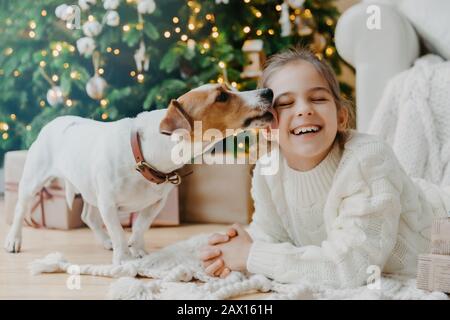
(431, 19)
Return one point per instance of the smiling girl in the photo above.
(340, 202)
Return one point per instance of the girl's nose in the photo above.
(309, 113)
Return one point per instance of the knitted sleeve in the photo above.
(266, 224)
(362, 233)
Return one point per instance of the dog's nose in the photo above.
(267, 94)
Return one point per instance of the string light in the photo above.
(28, 127)
(104, 116)
(103, 102)
(43, 53)
(32, 24)
(258, 14)
(220, 80)
(42, 103)
(8, 51)
(126, 28)
(16, 73)
(329, 22)
(109, 49)
(74, 74)
(292, 17)
(55, 53)
(167, 34)
(234, 84)
(206, 45)
(259, 32)
(329, 51)
(13, 116)
(116, 52)
(5, 135)
(175, 20)
(132, 73)
(91, 18)
(278, 7)
(222, 65)
(43, 13)
(307, 13)
(66, 65)
(271, 32)
(247, 1)
(32, 34)
(72, 48)
(101, 71)
(191, 26)
(140, 78)
(177, 30)
(246, 29)
(215, 34)
(241, 145)
(140, 26)
(184, 37)
(55, 77)
(42, 64)
(69, 103)
(209, 17)
(4, 126)
(58, 47)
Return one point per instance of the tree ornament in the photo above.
(303, 27)
(319, 43)
(296, 4)
(96, 85)
(92, 28)
(112, 18)
(65, 12)
(141, 58)
(286, 27)
(85, 4)
(110, 4)
(146, 6)
(86, 46)
(253, 50)
(55, 96)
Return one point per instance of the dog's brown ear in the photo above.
(174, 119)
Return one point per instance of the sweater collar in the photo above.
(313, 185)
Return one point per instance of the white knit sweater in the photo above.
(355, 209)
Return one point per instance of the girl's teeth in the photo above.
(298, 131)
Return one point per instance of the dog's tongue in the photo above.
(274, 123)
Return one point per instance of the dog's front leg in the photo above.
(111, 219)
(136, 242)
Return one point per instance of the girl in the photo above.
(340, 204)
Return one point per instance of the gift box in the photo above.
(217, 193)
(169, 215)
(440, 236)
(49, 208)
(433, 273)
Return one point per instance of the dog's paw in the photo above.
(107, 244)
(137, 252)
(13, 243)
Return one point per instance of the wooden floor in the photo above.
(78, 246)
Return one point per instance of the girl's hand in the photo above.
(233, 253)
(210, 254)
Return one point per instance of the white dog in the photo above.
(96, 160)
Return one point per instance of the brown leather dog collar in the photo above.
(150, 173)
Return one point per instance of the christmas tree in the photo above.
(110, 59)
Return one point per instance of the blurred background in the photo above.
(111, 59)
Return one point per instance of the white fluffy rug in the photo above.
(175, 267)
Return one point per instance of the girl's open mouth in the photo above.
(306, 130)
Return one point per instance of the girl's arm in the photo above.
(363, 233)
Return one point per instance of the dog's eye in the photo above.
(222, 97)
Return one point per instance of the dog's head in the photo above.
(218, 107)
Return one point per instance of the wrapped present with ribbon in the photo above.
(49, 208)
(169, 215)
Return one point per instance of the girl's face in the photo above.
(307, 115)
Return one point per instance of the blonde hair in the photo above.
(279, 60)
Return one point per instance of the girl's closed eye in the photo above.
(319, 99)
(284, 103)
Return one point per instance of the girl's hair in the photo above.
(279, 60)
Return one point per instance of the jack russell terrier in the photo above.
(126, 165)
